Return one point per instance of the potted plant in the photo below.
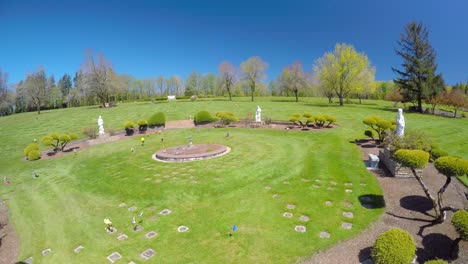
(142, 126)
(129, 125)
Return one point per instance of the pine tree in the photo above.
(417, 76)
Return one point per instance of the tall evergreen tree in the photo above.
(418, 77)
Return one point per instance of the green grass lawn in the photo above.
(66, 205)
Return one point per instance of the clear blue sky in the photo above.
(149, 38)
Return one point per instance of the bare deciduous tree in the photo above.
(100, 78)
(36, 88)
(253, 71)
(292, 78)
(227, 72)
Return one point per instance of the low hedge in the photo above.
(158, 119)
(436, 261)
(203, 117)
(394, 246)
(129, 124)
(437, 153)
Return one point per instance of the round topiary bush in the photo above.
(394, 246)
(451, 166)
(437, 153)
(436, 261)
(158, 119)
(129, 124)
(29, 148)
(34, 155)
(460, 222)
(412, 158)
(203, 117)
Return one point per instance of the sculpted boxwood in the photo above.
(394, 246)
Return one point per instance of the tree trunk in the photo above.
(426, 191)
(341, 100)
(359, 99)
(295, 93)
(420, 104)
(455, 113)
(330, 100)
(440, 201)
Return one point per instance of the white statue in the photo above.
(258, 114)
(400, 123)
(100, 123)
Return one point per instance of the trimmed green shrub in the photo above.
(296, 119)
(129, 124)
(203, 117)
(90, 132)
(34, 155)
(58, 141)
(451, 166)
(379, 125)
(412, 158)
(320, 120)
(436, 261)
(394, 246)
(369, 133)
(158, 119)
(460, 222)
(142, 125)
(226, 118)
(142, 122)
(330, 120)
(437, 153)
(29, 148)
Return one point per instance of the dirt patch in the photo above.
(406, 208)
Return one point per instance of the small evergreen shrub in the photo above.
(379, 125)
(29, 148)
(320, 120)
(34, 155)
(296, 119)
(411, 140)
(412, 158)
(460, 222)
(90, 132)
(437, 153)
(436, 261)
(129, 124)
(142, 122)
(226, 118)
(203, 117)
(330, 120)
(394, 246)
(158, 119)
(58, 141)
(451, 166)
(369, 133)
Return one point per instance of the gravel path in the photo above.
(408, 208)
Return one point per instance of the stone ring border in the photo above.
(228, 149)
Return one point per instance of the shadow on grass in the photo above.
(372, 201)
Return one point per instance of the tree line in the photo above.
(342, 73)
